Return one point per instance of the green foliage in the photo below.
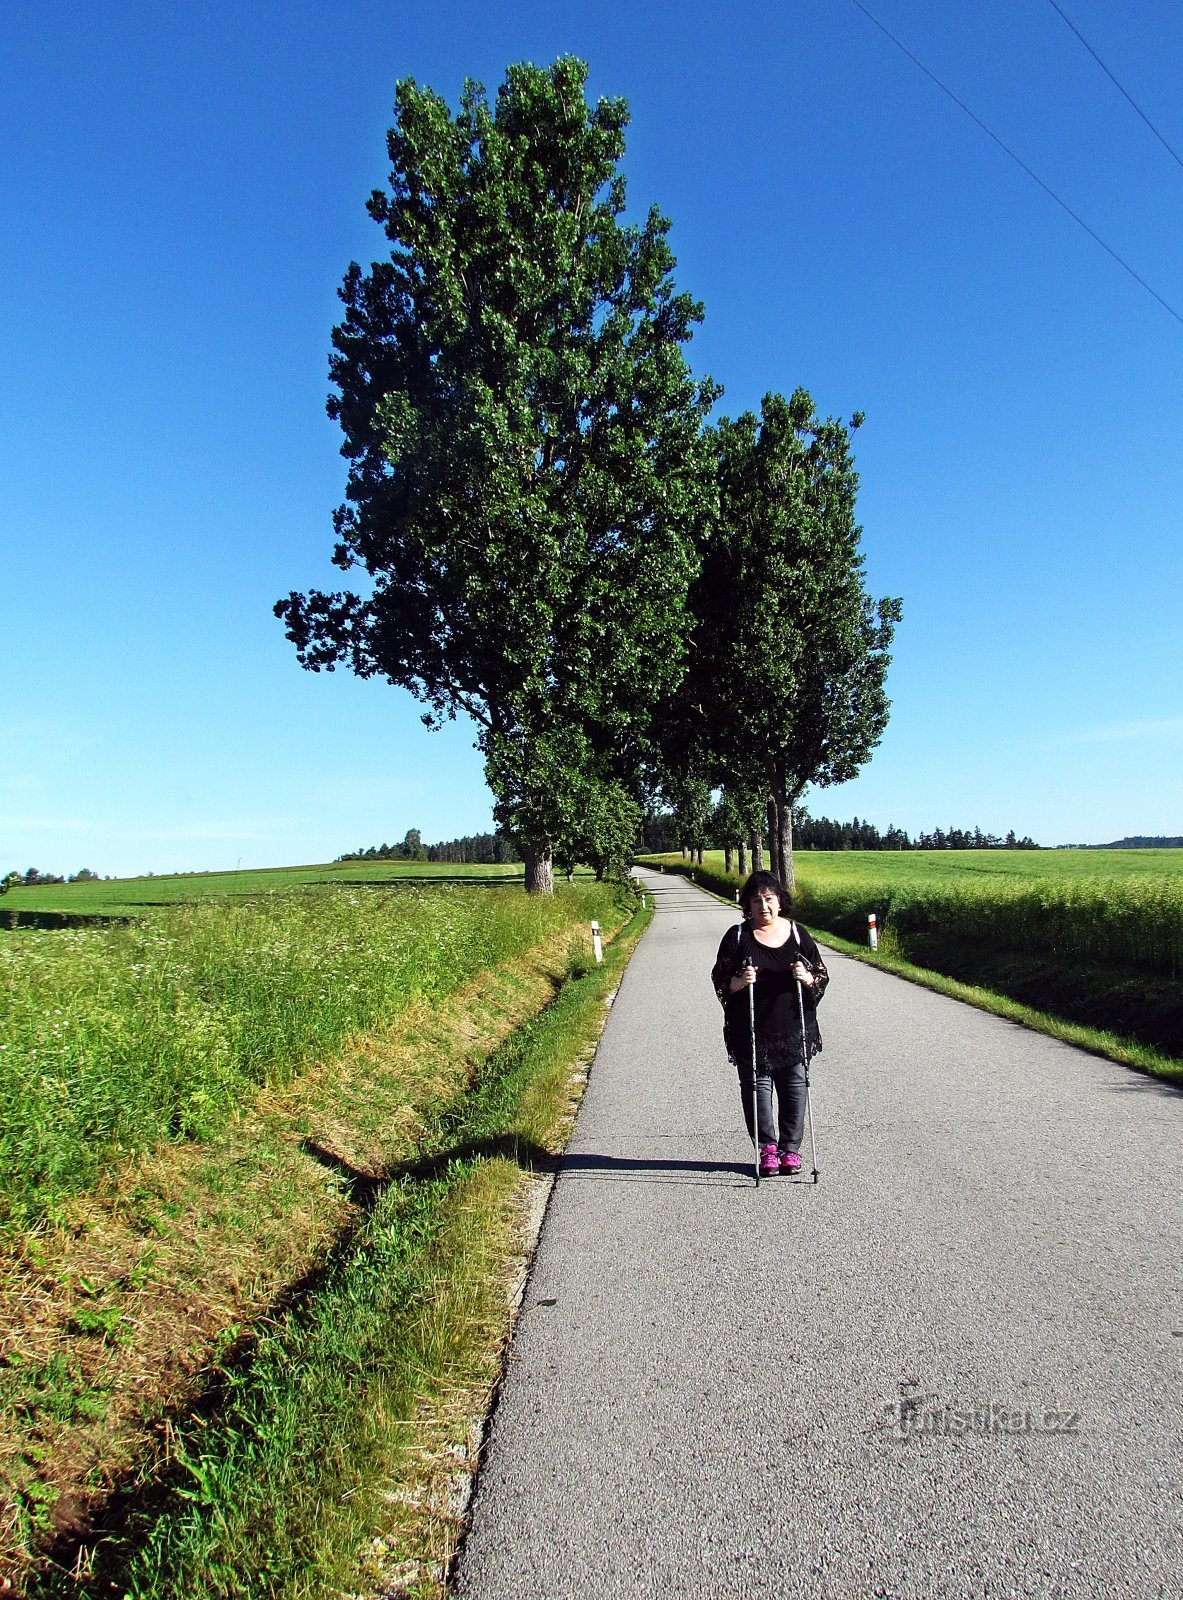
(31, 878)
(54, 1388)
(690, 796)
(601, 822)
(820, 833)
(527, 469)
(791, 655)
(112, 1038)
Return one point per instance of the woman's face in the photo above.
(765, 907)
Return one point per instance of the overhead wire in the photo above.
(1159, 136)
(1018, 160)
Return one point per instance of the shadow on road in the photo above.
(1143, 1083)
(651, 1169)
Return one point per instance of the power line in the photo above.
(1018, 160)
(1160, 137)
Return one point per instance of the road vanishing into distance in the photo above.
(951, 1368)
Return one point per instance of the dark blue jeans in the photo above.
(787, 1126)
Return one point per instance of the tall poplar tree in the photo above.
(790, 652)
(525, 444)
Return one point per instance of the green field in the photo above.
(1115, 906)
(115, 1036)
(263, 1158)
(1091, 936)
(123, 897)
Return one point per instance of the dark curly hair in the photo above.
(765, 880)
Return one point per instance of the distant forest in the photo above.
(809, 833)
(1136, 842)
(477, 849)
(820, 833)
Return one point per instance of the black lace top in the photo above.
(777, 1008)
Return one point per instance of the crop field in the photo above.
(114, 1037)
(1093, 936)
(123, 897)
(1119, 905)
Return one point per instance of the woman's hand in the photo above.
(744, 978)
(802, 974)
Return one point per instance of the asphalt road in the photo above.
(951, 1368)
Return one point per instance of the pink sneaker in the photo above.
(769, 1161)
(790, 1162)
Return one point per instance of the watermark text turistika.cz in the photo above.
(913, 1416)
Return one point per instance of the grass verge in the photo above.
(328, 1458)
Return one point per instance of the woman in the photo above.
(771, 954)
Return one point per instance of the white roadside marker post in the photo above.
(596, 945)
(872, 931)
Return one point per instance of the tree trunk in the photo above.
(776, 859)
(540, 876)
(786, 838)
(698, 855)
(757, 852)
(728, 857)
(743, 858)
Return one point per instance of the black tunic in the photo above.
(777, 1011)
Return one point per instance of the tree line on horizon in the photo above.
(476, 849)
(635, 603)
(663, 832)
(33, 878)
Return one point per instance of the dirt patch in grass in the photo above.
(117, 1316)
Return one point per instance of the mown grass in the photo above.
(1093, 938)
(329, 1463)
(114, 1038)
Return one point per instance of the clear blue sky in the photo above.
(182, 189)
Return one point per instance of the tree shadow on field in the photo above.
(469, 880)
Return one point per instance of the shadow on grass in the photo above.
(12, 920)
(1141, 1006)
(91, 1545)
(105, 1534)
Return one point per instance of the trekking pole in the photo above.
(755, 1093)
(805, 1063)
